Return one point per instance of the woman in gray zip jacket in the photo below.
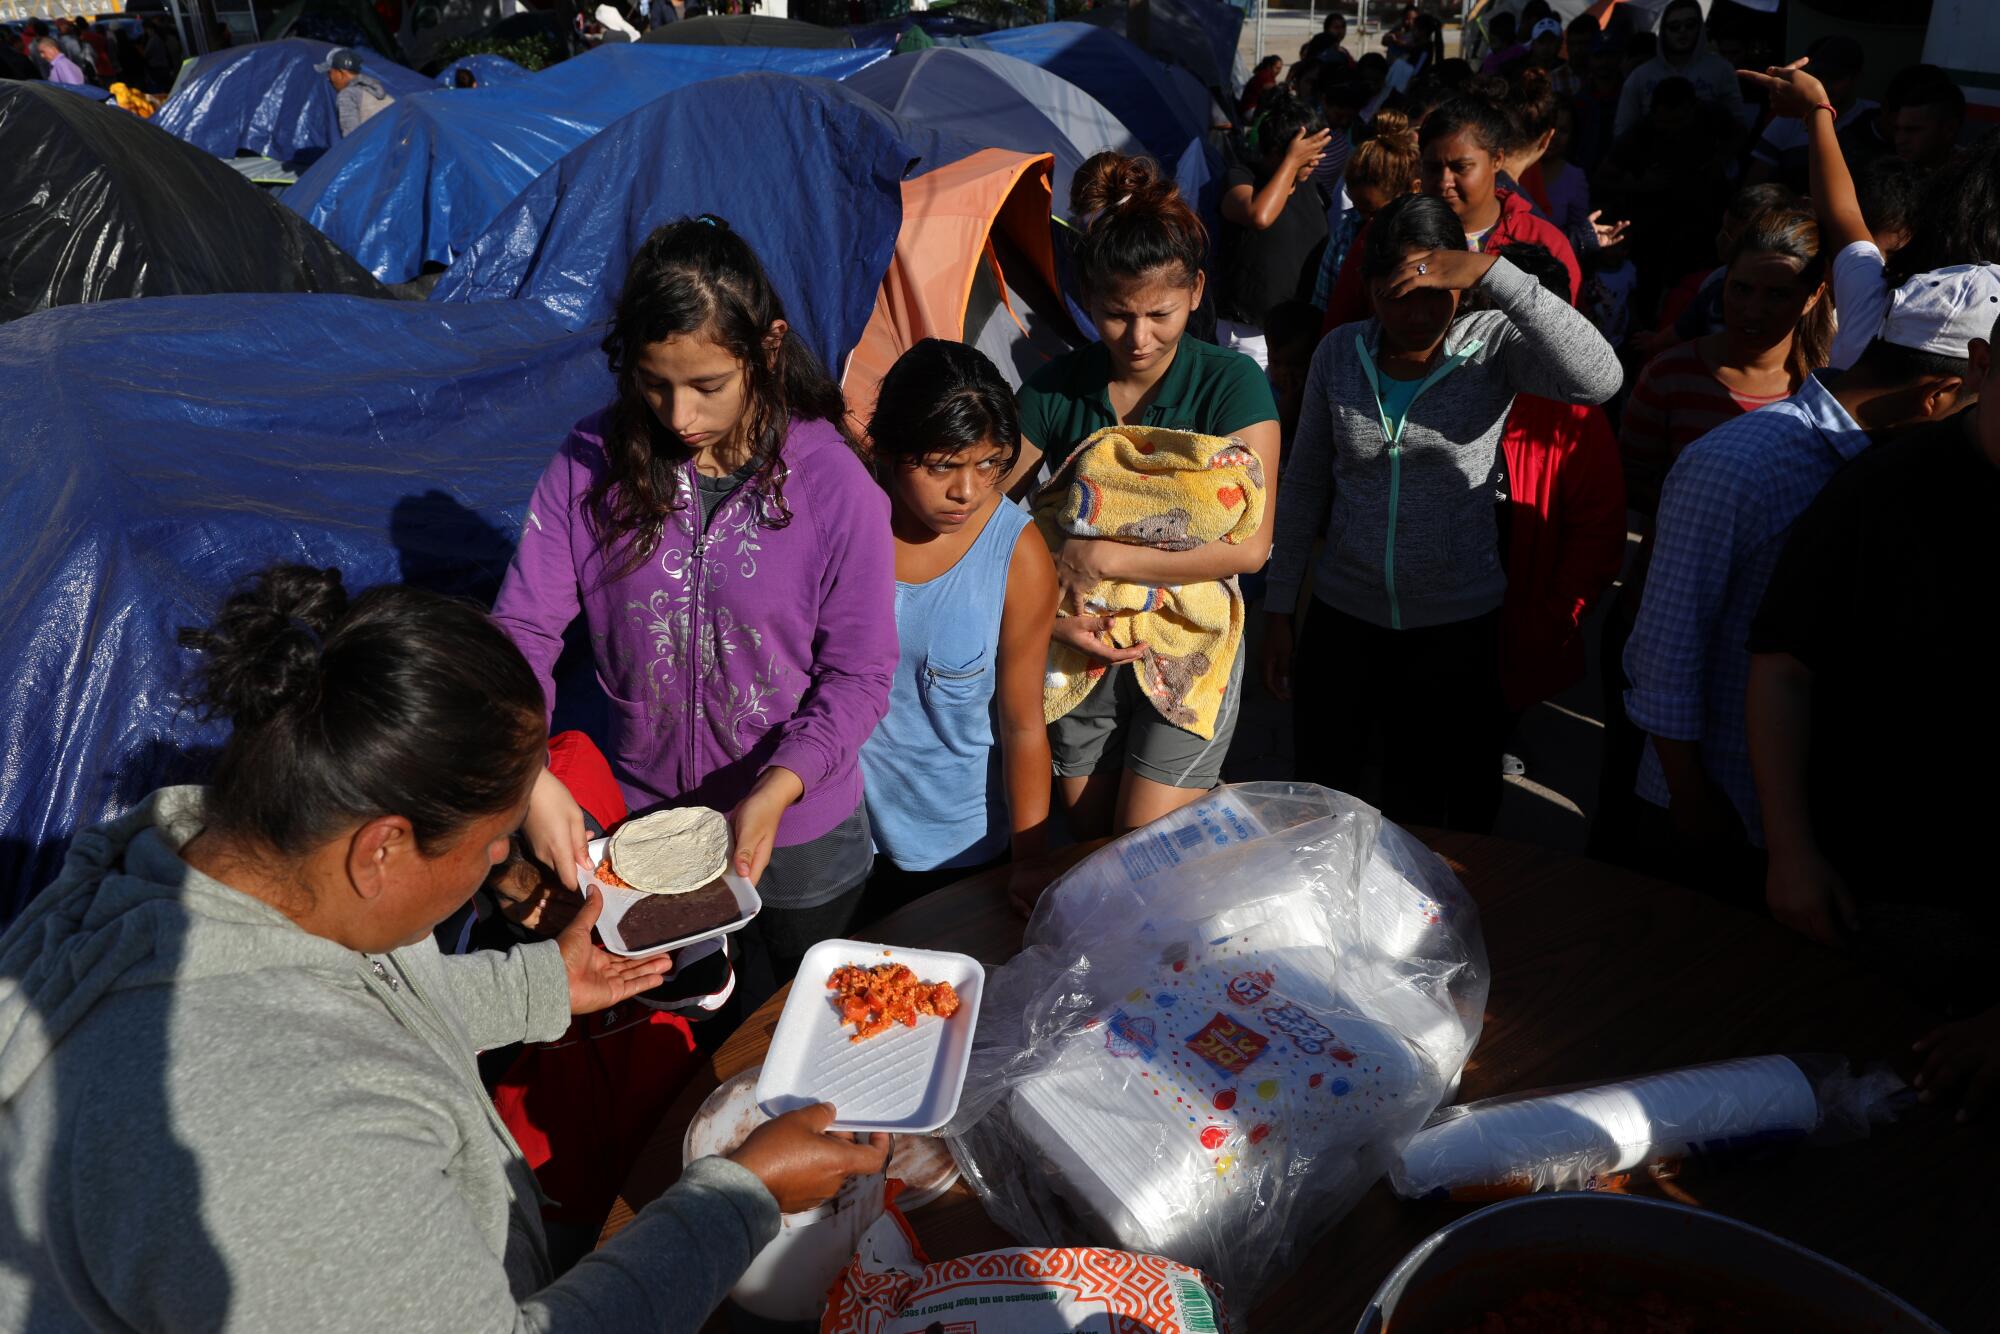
(1396, 469)
(237, 1078)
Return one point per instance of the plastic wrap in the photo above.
(192, 440)
(269, 99)
(820, 199)
(1585, 1138)
(888, 1288)
(102, 205)
(423, 178)
(1220, 1031)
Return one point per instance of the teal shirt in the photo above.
(1207, 389)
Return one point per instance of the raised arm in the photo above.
(1799, 95)
(1259, 207)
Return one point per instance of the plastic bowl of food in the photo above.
(1619, 1263)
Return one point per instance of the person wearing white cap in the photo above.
(1871, 690)
(356, 95)
(1725, 510)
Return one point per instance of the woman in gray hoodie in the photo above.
(1396, 469)
(237, 1078)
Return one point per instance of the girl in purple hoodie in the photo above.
(731, 558)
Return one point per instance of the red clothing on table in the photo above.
(583, 1106)
(1565, 541)
(1518, 222)
(1677, 400)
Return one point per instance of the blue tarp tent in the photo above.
(1000, 102)
(819, 198)
(395, 440)
(490, 70)
(423, 178)
(268, 99)
(1131, 84)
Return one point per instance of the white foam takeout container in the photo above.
(617, 902)
(906, 1080)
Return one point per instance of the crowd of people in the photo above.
(1462, 329)
(143, 54)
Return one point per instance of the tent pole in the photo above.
(1263, 7)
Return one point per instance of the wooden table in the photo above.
(1597, 973)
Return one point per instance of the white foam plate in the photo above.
(906, 1080)
(617, 902)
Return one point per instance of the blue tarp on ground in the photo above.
(192, 440)
(819, 196)
(268, 99)
(1131, 84)
(488, 69)
(425, 177)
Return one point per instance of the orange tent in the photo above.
(974, 263)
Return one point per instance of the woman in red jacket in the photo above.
(1563, 534)
(1462, 143)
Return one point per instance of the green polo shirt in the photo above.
(1207, 389)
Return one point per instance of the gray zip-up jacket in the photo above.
(213, 1120)
(1411, 538)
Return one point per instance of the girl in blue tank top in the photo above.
(957, 775)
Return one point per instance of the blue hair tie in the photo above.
(306, 630)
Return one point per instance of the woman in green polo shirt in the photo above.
(1139, 257)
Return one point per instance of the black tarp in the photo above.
(100, 204)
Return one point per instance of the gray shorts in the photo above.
(1116, 721)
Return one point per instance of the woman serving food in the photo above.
(237, 1077)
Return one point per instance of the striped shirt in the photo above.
(1677, 400)
(1728, 504)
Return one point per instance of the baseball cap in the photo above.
(1545, 28)
(340, 58)
(1944, 310)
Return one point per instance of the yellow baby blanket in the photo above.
(1174, 491)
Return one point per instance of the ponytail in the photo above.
(1131, 221)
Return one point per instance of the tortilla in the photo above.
(671, 852)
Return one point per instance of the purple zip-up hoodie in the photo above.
(755, 646)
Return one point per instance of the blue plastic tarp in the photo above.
(1131, 84)
(424, 177)
(820, 198)
(486, 67)
(268, 99)
(192, 440)
(89, 90)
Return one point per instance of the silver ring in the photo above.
(1422, 268)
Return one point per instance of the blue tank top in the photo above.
(931, 771)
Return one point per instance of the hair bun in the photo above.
(262, 653)
(1110, 180)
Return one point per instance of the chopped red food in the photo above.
(873, 999)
